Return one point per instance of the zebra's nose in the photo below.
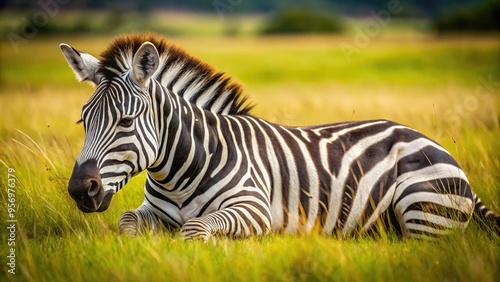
(85, 186)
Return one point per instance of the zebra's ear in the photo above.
(146, 61)
(84, 65)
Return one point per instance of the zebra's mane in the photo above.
(180, 72)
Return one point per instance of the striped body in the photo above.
(338, 177)
(213, 168)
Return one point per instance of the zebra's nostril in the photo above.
(94, 189)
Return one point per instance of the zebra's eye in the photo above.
(126, 121)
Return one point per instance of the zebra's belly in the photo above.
(331, 217)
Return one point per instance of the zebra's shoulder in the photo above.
(180, 72)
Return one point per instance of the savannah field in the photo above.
(447, 88)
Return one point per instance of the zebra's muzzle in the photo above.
(85, 187)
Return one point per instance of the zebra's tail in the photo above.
(488, 219)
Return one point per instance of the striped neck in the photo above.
(185, 147)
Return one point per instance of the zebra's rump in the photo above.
(366, 172)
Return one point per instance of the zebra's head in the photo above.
(120, 132)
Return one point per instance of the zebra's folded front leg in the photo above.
(236, 221)
(137, 221)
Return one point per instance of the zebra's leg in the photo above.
(240, 220)
(427, 210)
(137, 221)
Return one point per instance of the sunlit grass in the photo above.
(422, 83)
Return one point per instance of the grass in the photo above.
(153, 258)
(427, 83)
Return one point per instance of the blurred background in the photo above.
(243, 17)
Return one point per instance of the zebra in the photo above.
(213, 168)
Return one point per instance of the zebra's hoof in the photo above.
(129, 224)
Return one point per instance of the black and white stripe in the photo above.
(212, 168)
(240, 175)
(122, 150)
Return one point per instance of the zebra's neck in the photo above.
(185, 145)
